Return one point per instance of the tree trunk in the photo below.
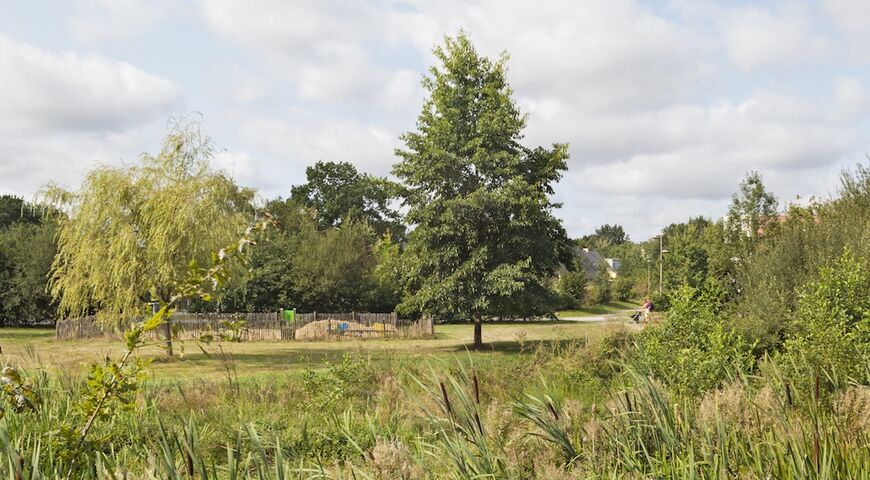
(167, 328)
(478, 332)
(167, 331)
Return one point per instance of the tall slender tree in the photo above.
(752, 214)
(485, 239)
(132, 231)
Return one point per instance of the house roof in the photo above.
(590, 260)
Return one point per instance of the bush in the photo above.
(572, 288)
(810, 239)
(661, 302)
(602, 289)
(695, 349)
(833, 321)
(623, 288)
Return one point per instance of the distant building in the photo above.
(592, 260)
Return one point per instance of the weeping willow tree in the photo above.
(131, 232)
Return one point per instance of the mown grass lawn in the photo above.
(37, 348)
(606, 309)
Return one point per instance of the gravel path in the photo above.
(618, 316)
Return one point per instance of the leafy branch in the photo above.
(115, 383)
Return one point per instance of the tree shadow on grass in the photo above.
(518, 323)
(516, 346)
(258, 360)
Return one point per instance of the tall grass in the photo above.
(454, 420)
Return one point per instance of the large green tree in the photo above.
(605, 239)
(132, 231)
(752, 215)
(486, 241)
(27, 248)
(304, 265)
(26, 253)
(15, 210)
(338, 192)
(333, 269)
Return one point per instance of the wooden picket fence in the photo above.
(268, 326)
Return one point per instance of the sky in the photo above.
(665, 105)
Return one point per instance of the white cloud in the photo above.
(239, 165)
(853, 16)
(289, 27)
(665, 104)
(30, 160)
(94, 21)
(305, 139)
(43, 90)
(851, 97)
(319, 46)
(689, 151)
(598, 55)
(757, 37)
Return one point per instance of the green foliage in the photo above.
(602, 288)
(16, 392)
(232, 330)
(661, 301)
(833, 321)
(605, 238)
(459, 431)
(268, 285)
(338, 382)
(26, 253)
(752, 215)
(486, 241)
(695, 349)
(14, 210)
(545, 412)
(572, 286)
(110, 388)
(810, 239)
(387, 291)
(300, 265)
(337, 192)
(389, 421)
(133, 230)
(686, 262)
(333, 269)
(623, 288)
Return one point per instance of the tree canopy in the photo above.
(752, 213)
(485, 240)
(605, 236)
(132, 231)
(15, 210)
(27, 248)
(338, 192)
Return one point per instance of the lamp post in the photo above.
(648, 276)
(662, 253)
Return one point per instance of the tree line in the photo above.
(467, 231)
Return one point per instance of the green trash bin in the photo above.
(289, 315)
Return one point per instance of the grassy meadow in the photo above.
(558, 400)
(34, 348)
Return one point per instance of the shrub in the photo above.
(833, 321)
(602, 289)
(661, 302)
(572, 288)
(623, 288)
(695, 349)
